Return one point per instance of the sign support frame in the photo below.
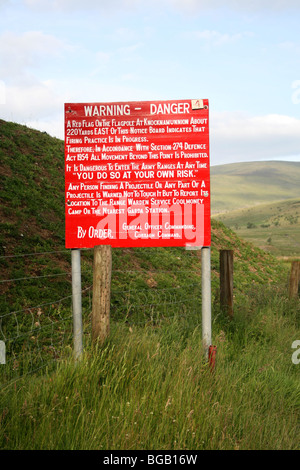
(206, 298)
(76, 302)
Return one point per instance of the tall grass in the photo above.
(149, 388)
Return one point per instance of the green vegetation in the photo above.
(148, 387)
(31, 216)
(240, 185)
(274, 227)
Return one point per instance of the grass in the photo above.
(149, 388)
(274, 227)
(239, 185)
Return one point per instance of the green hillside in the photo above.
(274, 227)
(241, 185)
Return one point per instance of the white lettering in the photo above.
(107, 110)
(169, 108)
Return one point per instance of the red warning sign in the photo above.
(137, 174)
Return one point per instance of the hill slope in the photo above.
(240, 185)
(32, 221)
(274, 227)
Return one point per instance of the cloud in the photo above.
(3, 3)
(54, 126)
(123, 34)
(75, 5)
(2, 92)
(192, 5)
(238, 137)
(239, 5)
(35, 102)
(215, 38)
(33, 48)
(129, 52)
(25, 94)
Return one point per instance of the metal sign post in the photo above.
(206, 298)
(76, 299)
(2, 353)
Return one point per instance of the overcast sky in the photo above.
(244, 56)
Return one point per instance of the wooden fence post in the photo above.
(101, 293)
(294, 280)
(226, 281)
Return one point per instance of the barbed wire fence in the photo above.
(37, 336)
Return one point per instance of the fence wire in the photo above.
(36, 337)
